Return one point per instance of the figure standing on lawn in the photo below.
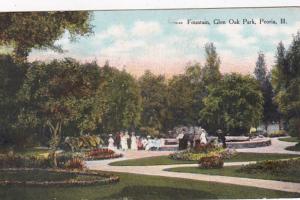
(124, 144)
(111, 142)
(133, 142)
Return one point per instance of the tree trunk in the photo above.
(55, 133)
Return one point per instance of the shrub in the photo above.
(75, 163)
(211, 161)
(82, 142)
(278, 133)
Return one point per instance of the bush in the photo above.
(82, 142)
(278, 133)
(75, 163)
(294, 127)
(70, 160)
(211, 162)
(275, 167)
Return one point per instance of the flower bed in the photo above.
(80, 178)
(211, 162)
(273, 167)
(101, 154)
(196, 155)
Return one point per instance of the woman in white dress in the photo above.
(111, 142)
(133, 142)
(124, 141)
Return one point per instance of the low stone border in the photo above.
(249, 144)
(108, 178)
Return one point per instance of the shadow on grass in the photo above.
(153, 192)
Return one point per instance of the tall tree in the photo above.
(55, 94)
(24, 31)
(11, 80)
(186, 92)
(124, 101)
(211, 70)
(264, 79)
(154, 101)
(234, 105)
(287, 83)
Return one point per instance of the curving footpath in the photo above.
(159, 170)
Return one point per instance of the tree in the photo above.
(154, 101)
(186, 92)
(264, 79)
(234, 105)
(11, 79)
(54, 95)
(286, 79)
(122, 94)
(211, 70)
(26, 30)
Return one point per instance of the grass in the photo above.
(291, 176)
(143, 187)
(294, 148)
(26, 152)
(35, 175)
(290, 139)
(165, 160)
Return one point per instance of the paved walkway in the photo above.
(159, 170)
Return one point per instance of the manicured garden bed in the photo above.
(102, 154)
(165, 160)
(270, 170)
(53, 177)
(142, 187)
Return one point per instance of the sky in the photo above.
(139, 40)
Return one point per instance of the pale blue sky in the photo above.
(137, 40)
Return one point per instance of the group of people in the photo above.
(191, 137)
(124, 141)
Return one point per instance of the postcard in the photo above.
(182, 103)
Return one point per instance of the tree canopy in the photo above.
(263, 77)
(24, 31)
(154, 93)
(234, 105)
(286, 81)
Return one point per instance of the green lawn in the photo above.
(142, 187)
(26, 152)
(233, 171)
(165, 160)
(290, 139)
(294, 148)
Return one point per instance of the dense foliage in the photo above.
(286, 81)
(263, 76)
(24, 31)
(234, 105)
